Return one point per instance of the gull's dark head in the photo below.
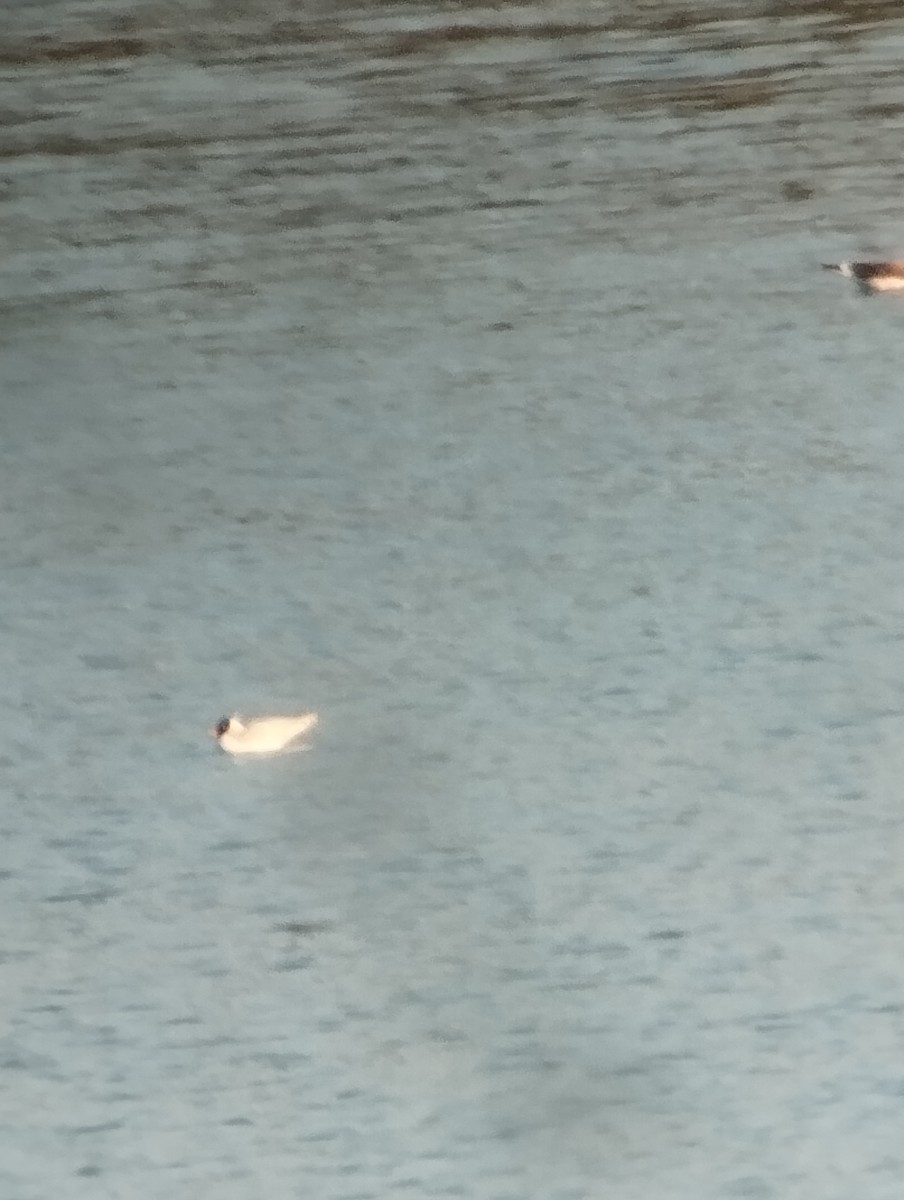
(222, 726)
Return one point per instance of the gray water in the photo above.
(466, 373)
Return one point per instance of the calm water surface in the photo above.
(467, 373)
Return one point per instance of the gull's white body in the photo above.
(263, 735)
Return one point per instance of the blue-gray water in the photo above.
(466, 373)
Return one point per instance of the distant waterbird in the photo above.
(872, 276)
(262, 735)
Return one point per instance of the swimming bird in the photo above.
(872, 276)
(262, 735)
